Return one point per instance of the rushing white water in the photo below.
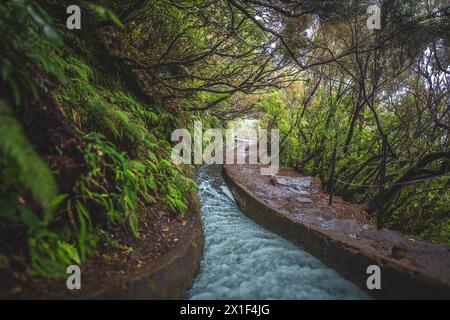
(242, 260)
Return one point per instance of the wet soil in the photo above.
(161, 233)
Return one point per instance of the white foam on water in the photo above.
(227, 192)
(242, 260)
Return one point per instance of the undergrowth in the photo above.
(127, 158)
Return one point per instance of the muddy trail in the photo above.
(242, 260)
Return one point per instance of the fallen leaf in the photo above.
(406, 261)
(354, 236)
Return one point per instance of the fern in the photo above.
(27, 34)
(23, 164)
(49, 255)
(113, 113)
(172, 184)
(129, 185)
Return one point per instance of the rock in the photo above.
(273, 180)
(301, 185)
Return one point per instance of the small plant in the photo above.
(23, 168)
(173, 185)
(49, 254)
(126, 167)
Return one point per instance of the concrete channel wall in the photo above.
(170, 277)
(399, 281)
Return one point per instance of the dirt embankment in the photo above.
(161, 264)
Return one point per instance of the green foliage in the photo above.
(129, 182)
(114, 243)
(135, 181)
(423, 210)
(23, 168)
(122, 138)
(27, 33)
(49, 255)
(26, 66)
(173, 185)
(106, 15)
(110, 112)
(420, 209)
(128, 102)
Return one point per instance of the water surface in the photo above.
(242, 260)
